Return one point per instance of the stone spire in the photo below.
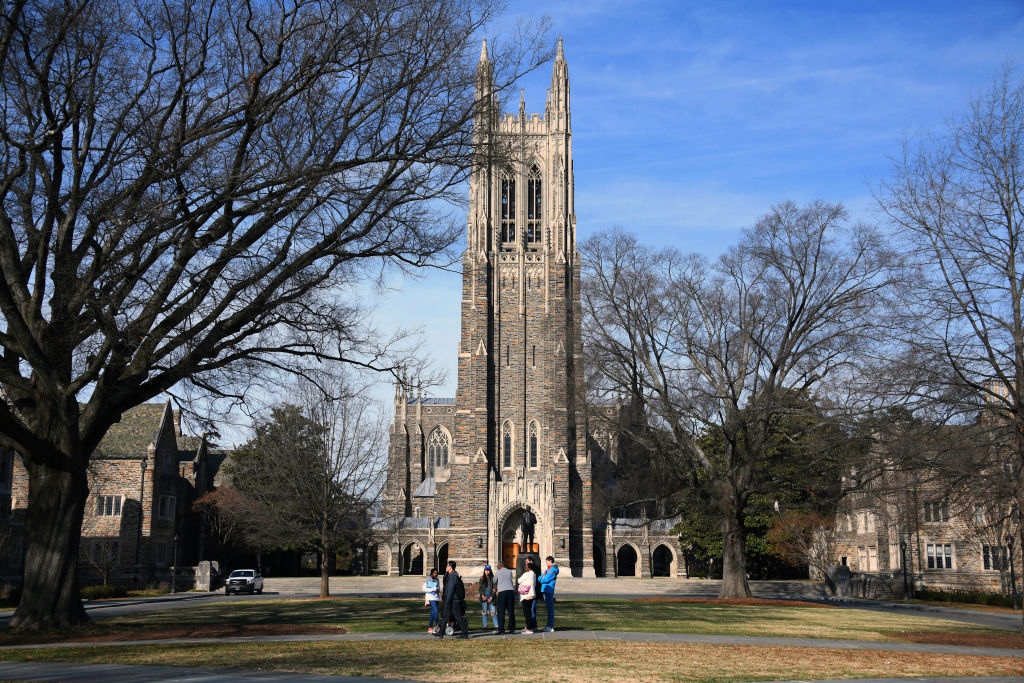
(558, 94)
(483, 50)
(522, 104)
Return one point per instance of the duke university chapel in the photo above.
(462, 470)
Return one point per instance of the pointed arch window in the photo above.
(508, 206)
(506, 444)
(533, 206)
(534, 442)
(438, 445)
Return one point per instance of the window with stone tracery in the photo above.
(533, 206)
(508, 207)
(534, 442)
(506, 444)
(438, 446)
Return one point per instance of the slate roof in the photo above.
(130, 437)
(426, 489)
(660, 525)
(433, 401)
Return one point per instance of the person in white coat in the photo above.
(527, 594)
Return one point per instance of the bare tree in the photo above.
(317, 466)
(724, 355)
(956, 200)
(235, 520)
(190, 190)
(103, 555)
(805, 538)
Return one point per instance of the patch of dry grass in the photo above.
(550, 660)
(779, 619)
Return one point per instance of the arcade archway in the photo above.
(663, 561)
(442, 557)
(412, 559)
(626, 561)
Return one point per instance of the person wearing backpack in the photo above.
(454, 602)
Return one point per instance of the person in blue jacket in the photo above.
(547, 590)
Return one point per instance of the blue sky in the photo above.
(691, 119)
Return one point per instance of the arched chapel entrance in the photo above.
(511, 536)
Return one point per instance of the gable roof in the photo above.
(138, 427)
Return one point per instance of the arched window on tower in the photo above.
(534, 442)
(438, 445)
(508, 207)
(533, 206)
(506, 444)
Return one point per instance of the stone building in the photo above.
(903, 525)
(143, 478)
(462, 470)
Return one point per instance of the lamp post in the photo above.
(174, 564)
(142, 492)
(1013, 578)
(903, 563)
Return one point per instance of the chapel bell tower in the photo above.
(519, 426)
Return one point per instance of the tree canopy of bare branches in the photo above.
(723, 355)
(188, 190)
(316, 466)
(955, 201)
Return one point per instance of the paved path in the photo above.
(627, 636)
(43, 671)
(57, 671)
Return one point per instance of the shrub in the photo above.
(102, 592)
(969, 597)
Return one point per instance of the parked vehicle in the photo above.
(244, 581)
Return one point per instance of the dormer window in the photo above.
(508, 207)
(533, 206)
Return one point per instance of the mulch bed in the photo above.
(1012, 641)
(755, 602)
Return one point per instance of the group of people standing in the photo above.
(498, 591)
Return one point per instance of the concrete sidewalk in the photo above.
(43, 671)
(625, 636)
(57, 671)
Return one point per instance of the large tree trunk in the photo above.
(56, 502)
(734, 562)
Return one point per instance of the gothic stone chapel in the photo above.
(463, 470)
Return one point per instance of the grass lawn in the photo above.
(488, 658)
(409, 615)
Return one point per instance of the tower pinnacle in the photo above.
(483, 50)
(559, 56)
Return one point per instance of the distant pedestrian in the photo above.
(487, 593)
(547, 591)
(527, 596)
(505, 582)
(454, 602)
(432, 596)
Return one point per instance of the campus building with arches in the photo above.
(462, 470)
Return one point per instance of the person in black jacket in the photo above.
(454, 601)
